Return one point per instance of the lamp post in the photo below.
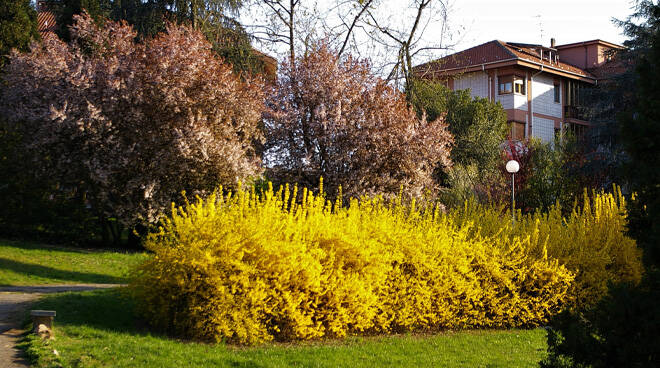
(512, 167)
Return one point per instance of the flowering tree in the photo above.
(333, 118)
(131, 124)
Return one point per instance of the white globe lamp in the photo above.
(512, 167)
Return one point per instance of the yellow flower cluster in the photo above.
(248, 267)
(590, 241)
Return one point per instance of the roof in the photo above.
(270, 64)
(591, 42)
(609, 69)
(532, 53)
(499, 52)
(46, 23)
(488, 52)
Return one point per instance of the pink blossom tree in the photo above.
(334, 118)
(130, 124)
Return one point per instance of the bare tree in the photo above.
(278, 25)
(391, 34)
(301, 24)
(350, 14)
(406, 41)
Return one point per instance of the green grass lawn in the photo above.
(98, 329)
(24, 263)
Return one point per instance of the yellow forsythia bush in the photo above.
(590, 242)
(246, 267)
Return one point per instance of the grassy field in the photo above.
(98, 329)
(24, 263)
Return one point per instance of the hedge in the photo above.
(250, 267)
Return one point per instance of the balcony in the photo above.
(574, 112)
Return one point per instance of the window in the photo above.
(505, 85)
(519, 86)
(511, 84)
(557, 90)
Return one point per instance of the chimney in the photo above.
(552, 42)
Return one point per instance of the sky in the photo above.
(536, 21)
(473, 22)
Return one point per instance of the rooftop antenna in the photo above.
(540, 26)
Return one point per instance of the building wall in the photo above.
(516, 115)
(520, 101)
(584, 56)
(507, 100)
(543, 96)
(547, 112)
(593, 56)
(544, 129)
(575, 56)
(602, 54)
(477, 82)
(511, 100)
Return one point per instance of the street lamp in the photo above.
(512, 167)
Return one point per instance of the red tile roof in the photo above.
(532, 53)
(486, 53)
(494, 52)
(46, 23)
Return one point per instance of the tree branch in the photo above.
(366, 5)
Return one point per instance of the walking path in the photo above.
(14, 302)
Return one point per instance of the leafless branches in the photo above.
(393, 34)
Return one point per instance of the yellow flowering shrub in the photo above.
(246, 267)
(590, 242)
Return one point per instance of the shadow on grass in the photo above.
(110, 310)
(53, 273)
(244, 364)
(104, 309)
(80, 249)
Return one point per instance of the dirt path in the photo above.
(14, 302)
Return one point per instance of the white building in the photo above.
(537, 86)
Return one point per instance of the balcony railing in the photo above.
(574, 112)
